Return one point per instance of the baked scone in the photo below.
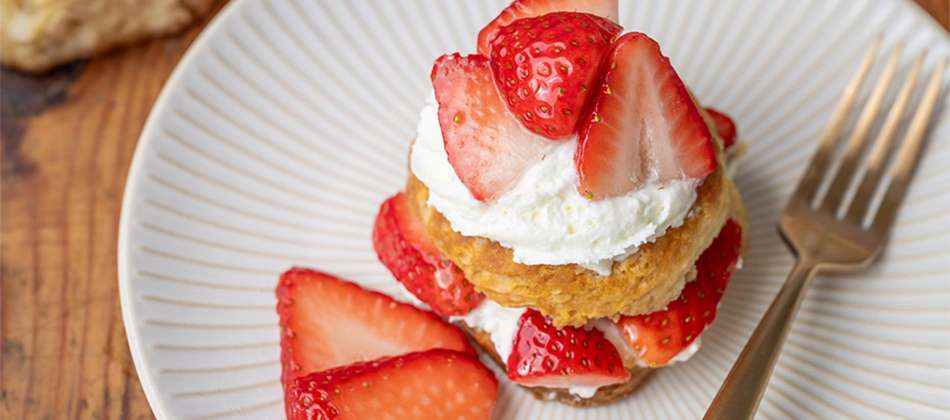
(569, 203)
(37, 35)
(638, 372)
(571, 294)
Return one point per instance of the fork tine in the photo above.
(909, 153)
(882, 144)
(815, 172)
(852, 154)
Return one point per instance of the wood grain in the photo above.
(67, 141)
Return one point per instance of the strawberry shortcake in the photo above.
(568, 202)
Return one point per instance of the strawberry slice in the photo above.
(659, 336)
(545, 67)
(429, 385)
(724, 126)
(520, 9)
(327, 322)
(557, 358)
(486, 146)
(403, 247)
(642, 125)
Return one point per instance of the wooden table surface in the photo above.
(67, 142)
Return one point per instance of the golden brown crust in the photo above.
(603, 395)
(570, 294)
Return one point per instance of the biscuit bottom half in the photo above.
(604, 395)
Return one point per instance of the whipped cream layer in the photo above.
(544, 219)
(501, 324)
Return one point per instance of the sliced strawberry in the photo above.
(658, 336)
(429, 385)
(404, 248)
(486, 145)
(327, 322)
(545, 67)
(724, 126)
(642, 125)
(520, 9)
(557, 358)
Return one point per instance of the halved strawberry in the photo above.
(560, 357)
(658, 336)
(429, 385)
(403, 247)
(724, 126)
(488, 148)
(546, 66)
(327, 322)
(520, 9)
(642, 125)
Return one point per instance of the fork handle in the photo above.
(739, 396)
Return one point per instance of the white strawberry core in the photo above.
(543, 219)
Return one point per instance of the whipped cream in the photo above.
(686, 353)
(583, 391)
(501, 324)
(544, 219)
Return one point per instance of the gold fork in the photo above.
(828, 233)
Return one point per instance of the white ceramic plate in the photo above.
(287, 123)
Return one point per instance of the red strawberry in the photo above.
(545, 67)
(486, 145)
(642, 124)
(658, 336)
(327, 322)
(550, 357)
(724, 126)
(520, 9)
(429, 385)
(404, 248)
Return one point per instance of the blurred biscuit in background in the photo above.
(37, 35)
